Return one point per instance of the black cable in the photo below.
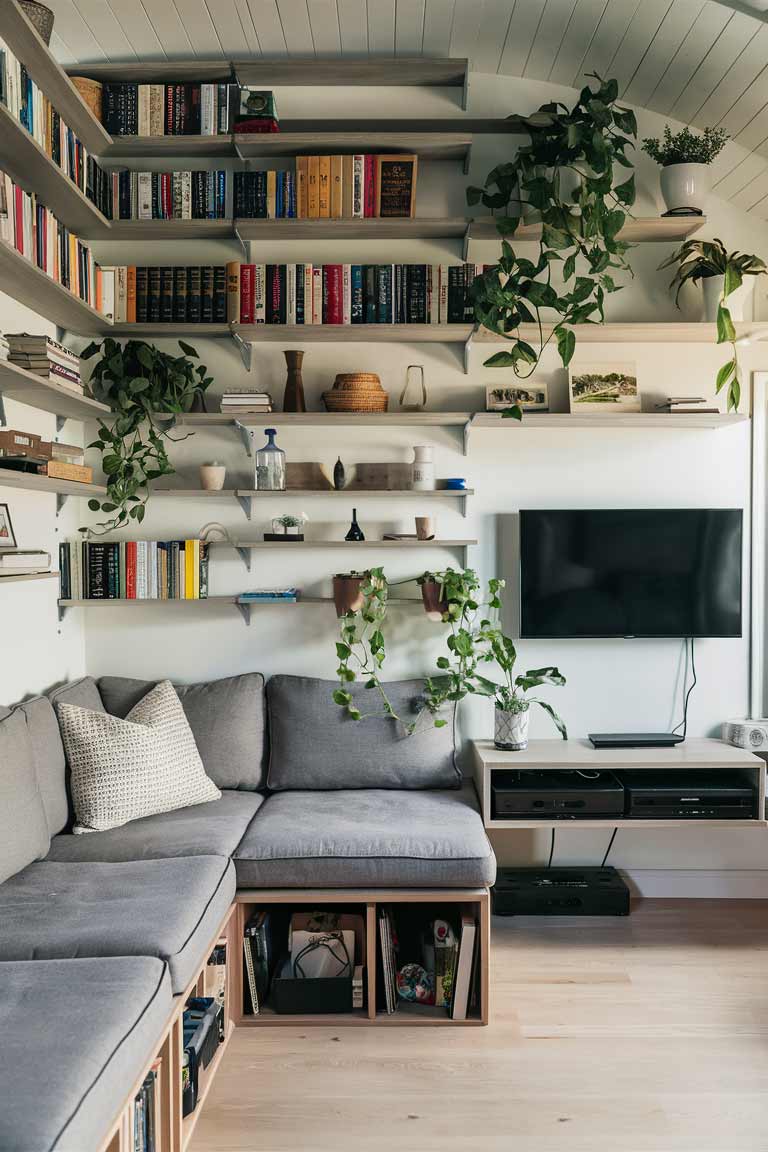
(608, 849)
(684, 722)
(551, 849)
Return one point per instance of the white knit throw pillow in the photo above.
(122, 770)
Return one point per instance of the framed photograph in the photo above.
(604, 388)
(7, 537)
(531, 398)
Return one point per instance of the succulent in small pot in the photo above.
(685, 158)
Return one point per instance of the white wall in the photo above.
(619, 684)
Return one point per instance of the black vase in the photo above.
(355, 531)
(339, 475)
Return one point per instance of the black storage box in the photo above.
(559, 892)
(296, 995)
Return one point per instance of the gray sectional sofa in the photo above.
(99, 932)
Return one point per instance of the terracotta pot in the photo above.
(346, 592)
(434, 605)
(293, 397)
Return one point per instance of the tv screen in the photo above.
(663, 572)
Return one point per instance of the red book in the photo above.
(246, 294)
(369, 186)
(130, 570)
(333, 310)
(258, 125)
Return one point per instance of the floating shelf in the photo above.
(644, 333)
(47, 395)
(60, 488)
(244, 548)
(324, 419)
(28, 576)
(246, 228)
(247, 497)
(306, 333)
(23, 40)
(30, 166)
(611, 822)
(24, 281)
(640, 230)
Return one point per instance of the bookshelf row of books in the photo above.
(182, 294)
(129, 109)
(143, 1117)
(31, 107)
(428, 968)
(182, 195)
(330, 187)
(34, 231)
(134, 570)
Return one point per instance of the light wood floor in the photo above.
(646, 1034)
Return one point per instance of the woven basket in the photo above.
(40, 17)
(356, 392)
(90, 93)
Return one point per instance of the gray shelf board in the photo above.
(306, 333)
(24, 281)
(47, 395)
(382, 493)
(33, 169)
(28, 576)
(371, 228)
(325, 419)
(34, 483)
(637, 230)
(351, 544)
(377, 71)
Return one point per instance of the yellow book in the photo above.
(271, 194)
(337, 185)
(324, 184)
(313, 188)
(302, 173)
(189, 570)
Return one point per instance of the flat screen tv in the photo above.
(630, 572)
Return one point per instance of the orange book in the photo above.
(337, 185)
(302, 172)
(130, 294)
(313, 188)
(324, 185)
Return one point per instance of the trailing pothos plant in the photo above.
(701, 260)
(139, 383)
(579, 147)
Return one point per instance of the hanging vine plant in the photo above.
(567, 175)
(139, 383)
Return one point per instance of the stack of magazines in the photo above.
(247, 400)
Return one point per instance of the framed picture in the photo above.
(604, 388)
(7, 537)
(531, 398)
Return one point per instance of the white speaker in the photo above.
(751, 734)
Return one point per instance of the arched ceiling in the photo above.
(698, 61)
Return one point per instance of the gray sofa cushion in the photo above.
(227, 718)
(215, 828)
(23, 826)
(170, 909)
(368, 839)
(314, 744)
(50, 763)
(77, 1034)
(83, 693)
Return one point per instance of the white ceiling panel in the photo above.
(246, 23)
(438, 22)
(353, 27)
(726, 49)
(702, 35)
(409, 28)
(294, 17)
(225, 19)
(138, 28)
(567, 67)
(268, 27)
(491, 34)
(106, 29)
(381, 27)
(550, 34)
(466, 24)
(666, 42)
(324, 22)
(521, 33)
(609, 35)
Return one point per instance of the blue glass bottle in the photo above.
(270, 465)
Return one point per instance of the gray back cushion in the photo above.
(316, 745)
(227, 718)
(82, 693)
(23, 826)
(50, 763)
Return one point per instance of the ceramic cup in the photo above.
(425, 527)
(212, 477)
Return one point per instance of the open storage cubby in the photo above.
(409, 908)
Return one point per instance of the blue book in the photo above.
(280, 196)
(356, 294)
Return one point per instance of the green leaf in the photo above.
(94, 505)
(187, 349)
(500, 360)
(439, 722)
(732, 279)
(341, 697)
(558, 722)
(569, 267)
(343, 651)
(566, 345)
(728, 369)
(144, 355)
(626, 192)
(474, 195)
(726, 333)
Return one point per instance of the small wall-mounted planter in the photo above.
(347, 595)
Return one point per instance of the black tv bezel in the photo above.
(523, 635)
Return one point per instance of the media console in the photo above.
(573, 783)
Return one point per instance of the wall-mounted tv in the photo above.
(630, 572)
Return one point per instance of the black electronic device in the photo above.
(688, 795)
(558, 795)
(630, 572)
(559, 892)
(635, 739)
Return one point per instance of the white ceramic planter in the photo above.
(685, 186)
(510, 730)
(740, 303)
(212, 477)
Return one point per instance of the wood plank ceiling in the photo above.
(697, 61)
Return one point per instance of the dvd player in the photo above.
(688, 795)
(635, 739)
(559, 795)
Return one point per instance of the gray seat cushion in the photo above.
(209, 829)
(50, 762)
(77, 1034)
(315, 744)
(367, 838)
(227, 718)
(23, 826)
(170, 909)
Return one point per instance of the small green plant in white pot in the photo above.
(685, 158)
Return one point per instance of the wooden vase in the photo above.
(293, 397)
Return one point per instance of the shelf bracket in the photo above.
(467, 431)
(62, 611)
(245, 556)
(465, 246)
(468, 349)
(2, 411)
(246, 504)
(465, 89)
(463, 505)
(467, 159)
(245, 612)
(61, 499)
(245, 436)
(243, 243)
(60, 422)
(244, 348)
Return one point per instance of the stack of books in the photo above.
(46, 357)
(686, 404)
(27, 452)
(197, 195)
(246, 400)
(144, 1132)
(134, 570)
(23, 562)
(270, 596)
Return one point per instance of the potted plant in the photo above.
(287, 527)
(444, 594)
(347, 591)
(566, 174)
(685, 158)
(360, 649)
(143, 386)
(723, 275)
